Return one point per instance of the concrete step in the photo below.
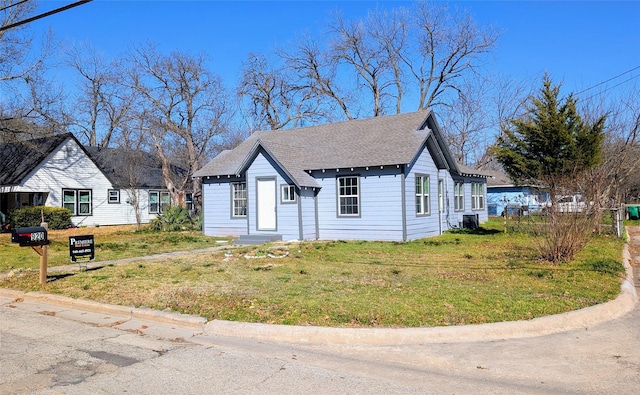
(257, 239)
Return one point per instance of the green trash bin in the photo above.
(633, 212)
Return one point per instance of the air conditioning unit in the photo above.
(470, 221)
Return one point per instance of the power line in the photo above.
(610, 79)
(13, 5)
(611, 87)
(46, 14)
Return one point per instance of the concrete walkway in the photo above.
(174, 325)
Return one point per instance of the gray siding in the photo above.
(457, 217)
(419, 226)
(287, 223)
(380, 206)
(307, 202)
(216, 197)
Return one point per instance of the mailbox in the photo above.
(30, 237)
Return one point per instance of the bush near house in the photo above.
(56, 217)
(174, 218)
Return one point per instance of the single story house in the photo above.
(385, 178)
(503, 192)
(58, 171)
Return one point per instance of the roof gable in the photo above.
(380, 141)
(19, 159)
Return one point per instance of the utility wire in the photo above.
(611, 87)
(610, 79)
(48, 13)
(13, 5)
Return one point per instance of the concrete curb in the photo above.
(578, 319)
(177, 319)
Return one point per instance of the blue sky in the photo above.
(580, 43)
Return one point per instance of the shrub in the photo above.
(56, 217)
(174, 218)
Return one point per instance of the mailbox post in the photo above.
(37, 238)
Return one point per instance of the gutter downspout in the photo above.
(404, 203)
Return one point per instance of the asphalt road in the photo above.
(46, 349)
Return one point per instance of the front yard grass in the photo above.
(454, 279)
(111, 242)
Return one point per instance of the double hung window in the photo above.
(422, 195)
(239, 199)
(458, 196)
(441, 195)
(78, 201)
(477, 196)
(348, 197)
(159, 201)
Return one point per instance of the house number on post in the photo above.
(35, 237)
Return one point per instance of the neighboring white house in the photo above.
(58, 171)
(384, 178)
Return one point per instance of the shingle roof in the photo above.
(499, 179)
(18, 159)
(379, 141)
(127, 168)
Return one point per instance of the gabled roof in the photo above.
(127, 168)
(380, 141)
(18, 159)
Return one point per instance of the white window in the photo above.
(159, 201)
(288, 193)
(477, 196)
(441, 195)
(114, 196)
(458, 196)
(422, 195)
(239, 199)
(348, 196)
(78, 201)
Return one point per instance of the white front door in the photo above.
(266, 201)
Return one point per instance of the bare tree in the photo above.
(103, 103)
(15, 44)
(185, 108)
(465, 125)
(356, 46)
(449, 46)
(375, 63)
(607, 185)
(275, 97)
(315, 69)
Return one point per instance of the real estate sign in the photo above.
(81, 248)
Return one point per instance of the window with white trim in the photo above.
(477, 196)
(159, 201)
(113, 196)
(441, 195)
(348, 197)
(239, 199)
(288, 193)
(78, 201)
(458, 196)
(422, 195)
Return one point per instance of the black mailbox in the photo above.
(27, 237)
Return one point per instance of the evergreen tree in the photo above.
(552, 146)
(551, 143)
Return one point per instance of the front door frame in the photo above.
(266, 204)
